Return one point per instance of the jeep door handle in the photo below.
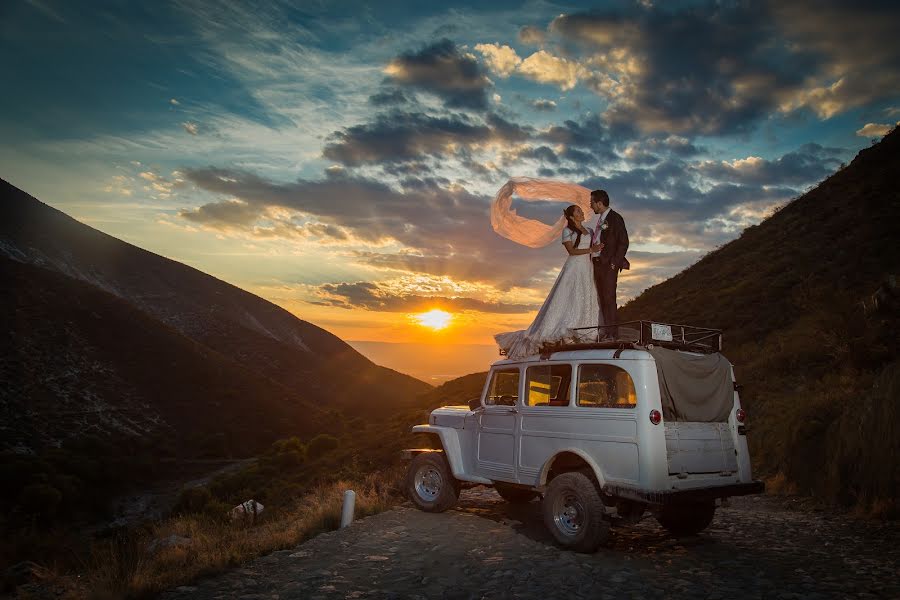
(512, 410)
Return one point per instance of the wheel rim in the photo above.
(428, 483)
(568, 514)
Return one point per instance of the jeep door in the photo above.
(497, 426)
(546, 418)
(588, 407)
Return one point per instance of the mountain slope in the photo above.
(789, 296)
(232, 322)
(81, 362)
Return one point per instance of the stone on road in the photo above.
(486, 548)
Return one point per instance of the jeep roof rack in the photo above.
(634, 334)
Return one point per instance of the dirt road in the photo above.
(485, 548)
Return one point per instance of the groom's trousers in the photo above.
(605, 278)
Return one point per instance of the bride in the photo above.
(572, 301)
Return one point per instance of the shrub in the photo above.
(321, 444)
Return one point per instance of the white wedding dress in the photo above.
(572, 303)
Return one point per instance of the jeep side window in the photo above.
(605, 386)
(504, 388)
(547, 385)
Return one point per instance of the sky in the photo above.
(340, 158)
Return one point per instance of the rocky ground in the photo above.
(757, 547)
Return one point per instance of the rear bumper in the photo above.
(687, 496)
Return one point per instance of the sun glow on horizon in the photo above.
(435, 318)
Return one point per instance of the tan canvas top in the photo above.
(694, 387)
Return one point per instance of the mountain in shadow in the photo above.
(253, 333)
(254, 351)
(82, 363)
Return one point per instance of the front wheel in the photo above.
(430, 484)
(574, 513)
(686, 519)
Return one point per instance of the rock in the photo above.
(249, 510)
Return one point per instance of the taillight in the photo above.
(740, 415)
(655, 417)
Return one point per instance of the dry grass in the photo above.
(779, 485)
(124, 567)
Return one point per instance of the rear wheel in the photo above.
(686, 519)
(430, 483)
(574, 513)
(514, 494)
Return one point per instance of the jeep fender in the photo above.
(450, 444)
(598, 473)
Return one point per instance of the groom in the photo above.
(609, 229)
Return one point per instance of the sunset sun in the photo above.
(433, 319)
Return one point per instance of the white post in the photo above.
(347, 509)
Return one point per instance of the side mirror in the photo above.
(474, 403)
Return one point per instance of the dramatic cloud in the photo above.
(695, 71)
(442, 230)
(431, 226)
(724, 67)
(500, 59)
(532, 36)
(398, 137)
(226, 214)
(120, 184)
(413, 138)
(442, 70)
(856, 43)
(389, 97)
(543, 67)
(191, 128)
(544, 105)
(587, 134)
(810, 163)
(875, 129)
(380, 297)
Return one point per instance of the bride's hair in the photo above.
(569, 211)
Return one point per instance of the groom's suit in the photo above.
(607, 264)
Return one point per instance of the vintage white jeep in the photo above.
(606, 431)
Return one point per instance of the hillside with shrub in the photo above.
(123, 370)
(820, 366)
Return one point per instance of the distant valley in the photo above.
(432, 363)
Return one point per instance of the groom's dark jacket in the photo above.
(615, 240)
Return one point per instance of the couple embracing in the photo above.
(584, 294)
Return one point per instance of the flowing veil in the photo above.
(530, 232)
(572, 301)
